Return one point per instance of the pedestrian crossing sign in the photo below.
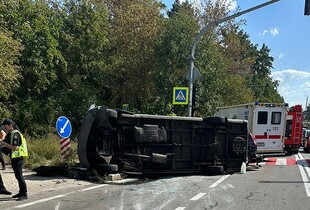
(180, 95)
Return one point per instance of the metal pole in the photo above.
(198, 37)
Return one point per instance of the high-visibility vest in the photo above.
(22, 149)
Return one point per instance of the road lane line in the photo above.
(305, 179)
(57, 207)
(219, 181)
(302, 164)
(305, 165)
(180, 208)
(298, 156)
(197, 197)
(91, 188)
(55, 197)
(39, 201)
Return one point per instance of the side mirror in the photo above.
(307, 7)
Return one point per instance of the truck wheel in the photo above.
(239, 146)
(215, 170)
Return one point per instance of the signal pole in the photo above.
(197, 39)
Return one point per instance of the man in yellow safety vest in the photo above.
(16, 144)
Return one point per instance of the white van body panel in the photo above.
(266, 121)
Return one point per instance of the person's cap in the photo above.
(7, 122)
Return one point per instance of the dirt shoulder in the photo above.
(36, 184)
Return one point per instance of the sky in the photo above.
(284, 28)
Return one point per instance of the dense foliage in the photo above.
(59, 57)
(46, 151)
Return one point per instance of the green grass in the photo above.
(46, 151)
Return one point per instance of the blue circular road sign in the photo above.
(63, 127)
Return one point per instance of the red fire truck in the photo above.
(293, 131)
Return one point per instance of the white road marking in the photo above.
(303, 165)
(200, 195)
(219, 181)
(124, 181)
(91, 188)
(57, 207)
(39, 201)
(281, 162)
(55, 197)
(180, 208)
(197, 197)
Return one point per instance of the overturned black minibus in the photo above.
(113, 141)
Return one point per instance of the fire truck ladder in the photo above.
(297, 130)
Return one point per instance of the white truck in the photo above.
(266, 122)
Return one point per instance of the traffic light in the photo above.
(307, 7)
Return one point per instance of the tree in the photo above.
(133, 33)
(172, 53)
(59, 57)
(264, 89)
(221, 54)
(240, 59)
(9, 71)
(237, 49)
(32, 23)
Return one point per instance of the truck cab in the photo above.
(293, 130)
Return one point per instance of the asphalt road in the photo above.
(282, 183)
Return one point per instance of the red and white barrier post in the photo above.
(65, 148)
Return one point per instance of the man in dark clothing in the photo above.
(16, 144)
(2, 159)
(2, 136)
(3, 190)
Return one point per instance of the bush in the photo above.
(46, 151)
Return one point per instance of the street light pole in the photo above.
(198, 37)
